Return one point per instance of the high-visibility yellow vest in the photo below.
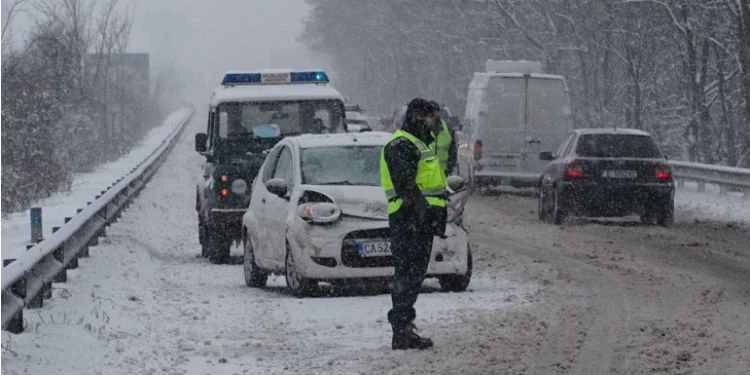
(442, 145)
(431, 179)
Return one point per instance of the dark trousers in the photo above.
(411, 243)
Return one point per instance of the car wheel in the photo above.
(254, 276)
(665, 217)
(202, 233)
(298, 285)
(540, 206)
(558, 215)
(218, 247)
(458, 283)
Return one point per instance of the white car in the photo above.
(318, 213)
(357, 122)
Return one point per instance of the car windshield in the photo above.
(291, 117)
(617, 146)
(341, 165)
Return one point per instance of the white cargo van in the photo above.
(513, 112)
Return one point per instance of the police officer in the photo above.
(415, 186)
(445, 143)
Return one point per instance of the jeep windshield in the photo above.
(291, 117)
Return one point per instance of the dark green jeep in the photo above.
(245, 120)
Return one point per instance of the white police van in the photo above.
(513, 112)
(247, 115)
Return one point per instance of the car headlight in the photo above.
(239, 186)
(319, 212)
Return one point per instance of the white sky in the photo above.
(205, 38)
(208, 37)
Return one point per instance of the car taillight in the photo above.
(663, 172)
(574, 169)
(478, 150)
(224, 192)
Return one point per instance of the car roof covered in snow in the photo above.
(340, 139)
(625, 131)
(299, 91)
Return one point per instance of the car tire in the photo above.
(458, 283)
(540, 206)
(558, 215)
(202, 234)
(218, 247)
(297, 285)
(665, 217)
(255, 277)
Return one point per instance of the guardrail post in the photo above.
(35, 213)
(701, 186)
(746, 193)
(15, 324)
(84, 252)
(73, 264)
(58, 254)
(681, 183)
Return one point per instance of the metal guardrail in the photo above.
(725, 177)
(27, 281)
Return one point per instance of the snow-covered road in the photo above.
(589, 297)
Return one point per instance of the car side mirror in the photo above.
(456, 183)
(277, 186)
(546, 155)
(200, 142)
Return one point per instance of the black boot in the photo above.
(406, 338)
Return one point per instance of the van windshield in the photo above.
(291, 117)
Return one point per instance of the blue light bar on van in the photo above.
(272, 78)
(305, 77)
(241, 79)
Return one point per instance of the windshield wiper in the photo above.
(345, 182)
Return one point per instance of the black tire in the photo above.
(665, 217)
(540, 206)
(218, 246)
(558, 215)
(255, 277)
(297, 285)
(458, 283)
(202, 234)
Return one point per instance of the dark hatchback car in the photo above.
(607, 173)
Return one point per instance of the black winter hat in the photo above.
(418, 107)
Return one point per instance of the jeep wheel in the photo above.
(202, 233)
(218, 246)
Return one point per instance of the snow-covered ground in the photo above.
(146, 302)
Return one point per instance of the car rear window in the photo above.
(617, 146)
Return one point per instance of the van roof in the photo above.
(481, 79)
(248, 93)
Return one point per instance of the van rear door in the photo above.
(502, 120)
(548, 119)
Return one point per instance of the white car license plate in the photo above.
(620, 173)
(374, 248)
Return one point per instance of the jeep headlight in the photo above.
(239, 186)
